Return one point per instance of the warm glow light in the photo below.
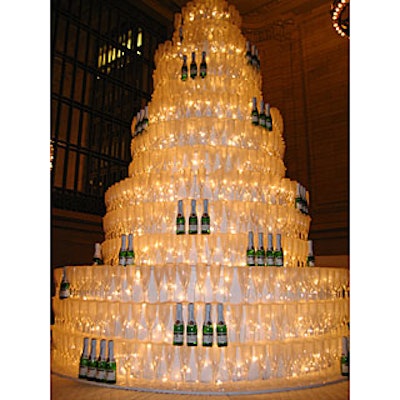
(201, 144)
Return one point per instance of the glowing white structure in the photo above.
(284, 324)
(200, 144)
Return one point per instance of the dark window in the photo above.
(101, 71)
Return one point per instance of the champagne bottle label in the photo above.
(279, 259)
(101, 371)
(208, 335)
(191, 335)
(260, 259)
(222, 337)
(178, 334)
(193, 224)
(64, 290)
(270, 259)
(344, 365)
(92, 369)
(205, 224)
(83, 368)
(122, 258)
(111, 374)
(130, 258)
(250, 259)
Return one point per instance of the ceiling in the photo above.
(251, 10)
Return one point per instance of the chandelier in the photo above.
(340, 15)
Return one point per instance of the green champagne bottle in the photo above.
(260, 253)
(193, 221)
(140, 124)
(203, 65)
(251, 252)
(92, 363)
(205, 219)
(84, 360)
(191, 327)
(248, 52)
(268, 118)
(258, 64)
(130, 253)
(305, 201)
(222, 330)
(180, 219)
(111, 365)
(178, 326)
(184, 69)
(253, 56)
(145, 122)
(193, 66)
(101, 362)
(344, 358)
(97, 258)
(65, 287)
(298, 201)
(137, 124)
(310, 256)
(278, 252)
(208, 329)
(122, 251)
(262, 119)
(254, 113)
(270, 255)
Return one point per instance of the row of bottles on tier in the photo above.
(165, 365)
(126, 254)
(100, 369)
(141, 122)
(208, 327)
(252, 55)
(193, 249)
(301, 200)
(193, 220)
(345, 356)
(260, 257)
(271, 257)
(251, 322)
(193, 70)
(263, 117)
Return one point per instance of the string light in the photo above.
(340, 15)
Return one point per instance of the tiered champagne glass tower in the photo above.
(284, 325)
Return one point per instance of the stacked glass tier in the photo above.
(200, 144)
(285, 325)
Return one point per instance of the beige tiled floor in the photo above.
(67, 389)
